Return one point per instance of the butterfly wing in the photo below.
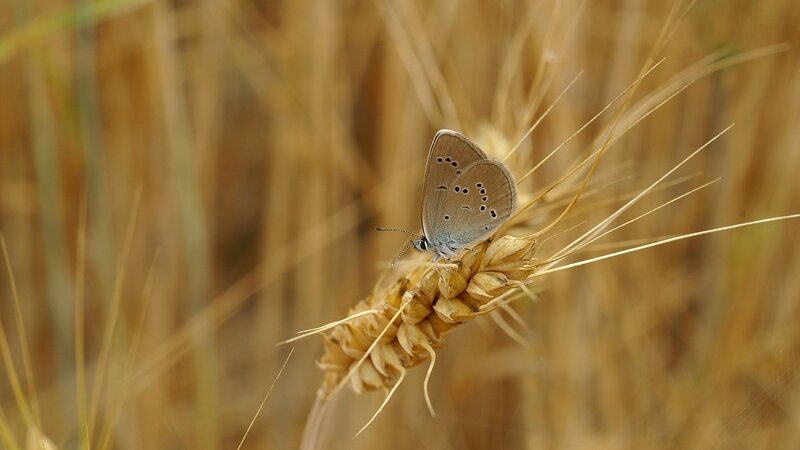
(450, 155)
(475, 205)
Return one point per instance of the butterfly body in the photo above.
(444, 249)
(466, 196)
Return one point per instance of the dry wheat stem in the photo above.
(384, 403)
(589, 122)
(507, 328)
(105, 347)
(652, 210)
(540, 85)
(264, 400)
(540, 119)
(23, 338)
(316, 330)
(597, 229)
(115, 404)
(511, 63)
(13, 377)
(5, 432)
(661, 242)
(584, 246)
(78, 323)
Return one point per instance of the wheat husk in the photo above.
(421, 305)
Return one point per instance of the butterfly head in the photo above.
(440, 251)
(422, 244)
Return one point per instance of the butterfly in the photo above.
(466, 196)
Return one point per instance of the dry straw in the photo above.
(195, 97)
(406, 317)
(417, 303)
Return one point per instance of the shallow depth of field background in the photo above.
(254, 146)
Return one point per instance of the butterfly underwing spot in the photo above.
(483, 191)
(441, 187)
(478, 185)
(467, 207)
(448, 159)
(457, 188)
(454, 163)
(483, 207)
(439, 159)
(465, 191)
(458, 172)
(485, 198)
(486, 228)
(446, 217)
(493, 213)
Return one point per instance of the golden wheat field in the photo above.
(186, 184)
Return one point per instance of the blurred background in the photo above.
(185, 183)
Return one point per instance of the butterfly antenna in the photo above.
(402, 252)
(399, 230)
(405, 249)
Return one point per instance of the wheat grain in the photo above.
(412, 316)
